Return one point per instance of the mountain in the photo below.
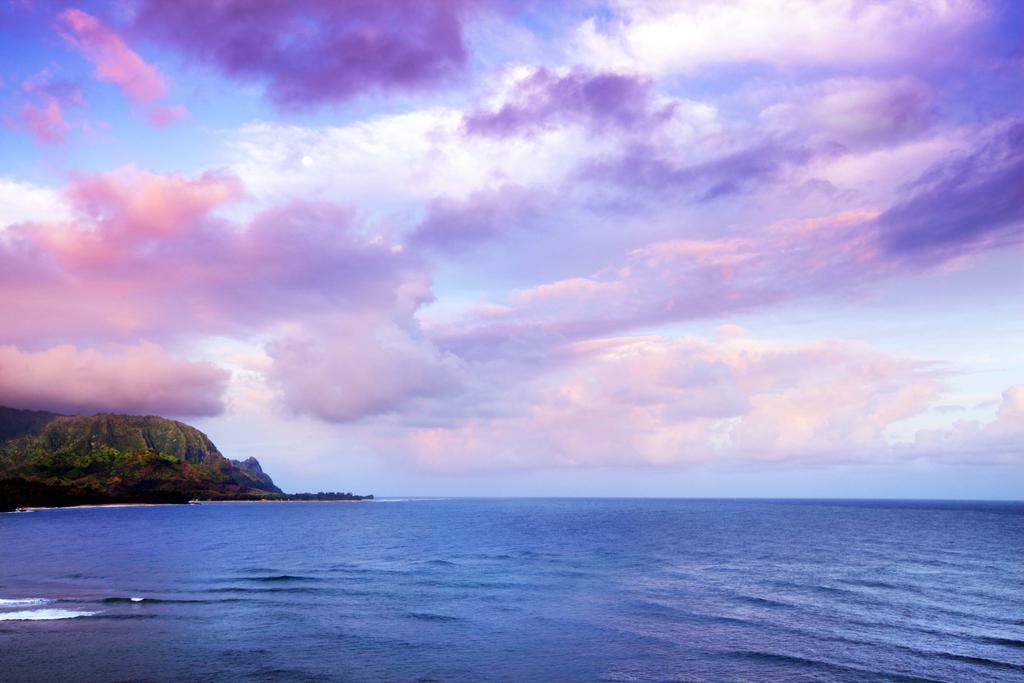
(46, 458)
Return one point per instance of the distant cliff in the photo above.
(51, 459)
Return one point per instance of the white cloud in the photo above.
(674, 37)
(394, 161)
(21, 201)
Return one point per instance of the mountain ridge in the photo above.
(113, 457)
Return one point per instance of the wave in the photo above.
(17, 602)
(426, 616)
(763, 602)
(884, 585)
(82, 576)
(1009, 642)
(820, 665)
(260, 591)
(43, 615)
(161, 601)
(983, 661)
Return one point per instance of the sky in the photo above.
(593, 248)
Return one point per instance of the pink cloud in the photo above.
(1000, 441)
(44, 121)
(132, 205)
(654, 401)
(113, 60)
(1010, 418)
(41, 111)
(146, 256)
(165, 116)
(134, 379)
(344, 367)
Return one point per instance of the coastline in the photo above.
(197, 501)
(33, 508)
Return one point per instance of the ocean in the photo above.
(515, 590)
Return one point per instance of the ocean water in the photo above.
(515, 590)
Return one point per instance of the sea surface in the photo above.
(515, 590)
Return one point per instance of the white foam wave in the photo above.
(14, 602)
(43, 614)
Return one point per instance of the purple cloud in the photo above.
(316, 51)
(736, 172)
(678, 280)
(485, 215)
(970, 202)
(545, 100)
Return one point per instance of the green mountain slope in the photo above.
(119, 457)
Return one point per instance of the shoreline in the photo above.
(197, 501)
(32, 508)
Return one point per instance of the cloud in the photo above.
(855, 112)
(745, 168)
(670, 37)
(316, 51)
(345, 367)
(146, 256)
(140, 378)
(656, 401)
(44, 121)
(970, 202)
(21, 201)
(41, 106)
(1010, 418)
(545, 99)
(165, 116)
(960, 207)
(453, 226)
(682, 279)
(1000, 441)
(113, 60)
(398, 161)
